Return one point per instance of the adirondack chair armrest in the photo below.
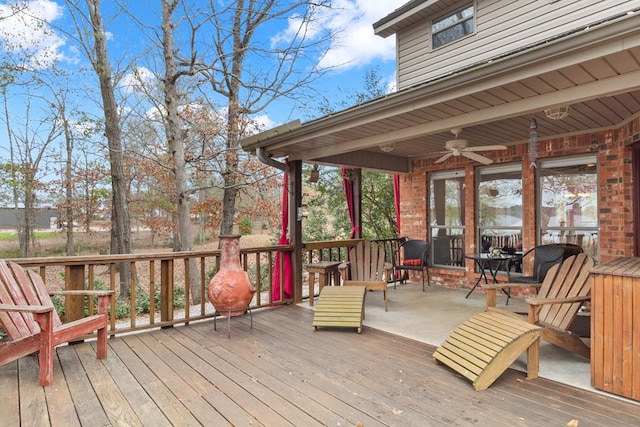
(511, 285)
(388, 270)
(89, 293)
(26, 308)
(544, 301)
(343, 268)
(491, 290)
(104, 297)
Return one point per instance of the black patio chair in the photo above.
(544, 257)
(412, 255)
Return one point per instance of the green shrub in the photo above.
(179, 297)
(123, 306)
(143, 301)
(245, 226)
(58, 303)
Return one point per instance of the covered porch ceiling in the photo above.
(595, 71)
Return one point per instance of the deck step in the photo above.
(340, 306)
(484, 346)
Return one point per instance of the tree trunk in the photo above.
(29, 217)
(68, 136)
(121, 225)
(230, 173)
(176, 147)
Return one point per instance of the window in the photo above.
(568, 209)
(446, 218)
(500, 208)
(453, 26)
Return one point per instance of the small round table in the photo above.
(325, 270)
(491, 263)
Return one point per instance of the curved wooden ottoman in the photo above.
(340, 306)
(484, 346)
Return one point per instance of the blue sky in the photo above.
(355, 51)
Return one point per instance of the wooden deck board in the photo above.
(171, 376)
(116, 406)
(60, 398)
(164, 399)
(142, 404)
(85, 400)
(273, 374)
(9, 394)
(280, 372)
(33, 405)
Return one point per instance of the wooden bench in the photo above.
(484, 346)
(340, 306)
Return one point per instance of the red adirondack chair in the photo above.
(30, 320)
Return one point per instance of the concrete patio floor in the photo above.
(431, 315)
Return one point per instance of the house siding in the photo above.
(615, 204)
(501, 27)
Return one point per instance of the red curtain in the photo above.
(396, 199)
(348, 184)
(284, 240)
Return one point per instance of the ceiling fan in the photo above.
(458, 147)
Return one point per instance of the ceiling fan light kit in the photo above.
(458, 147)
(388, 147)
(557, 113)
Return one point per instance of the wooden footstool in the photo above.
(484, 346)
(340, 307)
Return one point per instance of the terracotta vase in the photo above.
(230, 290)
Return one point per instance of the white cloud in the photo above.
(355, 44)
(391, 85)
(22, 32)
(263, 122)
(137, 80)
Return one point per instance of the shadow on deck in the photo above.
(281, 373)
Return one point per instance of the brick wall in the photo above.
(614, 194)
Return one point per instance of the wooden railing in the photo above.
(336, 250)
(157, 281)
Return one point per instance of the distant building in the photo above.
(10, 218)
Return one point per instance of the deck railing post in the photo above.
(74, 305)
(166, 290)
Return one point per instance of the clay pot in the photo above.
(230, 290)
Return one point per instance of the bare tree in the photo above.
(248, 91)
(92, 39)
(28, 148)
(68, 175)
(173, 71)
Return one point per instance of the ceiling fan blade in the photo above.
(486, 148)
(477, 157)
(443, 158)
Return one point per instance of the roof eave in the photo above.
(387, 26)
(539, 54)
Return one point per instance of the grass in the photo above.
(51, 242)
(13, 236)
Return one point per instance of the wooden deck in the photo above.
(282, 373)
